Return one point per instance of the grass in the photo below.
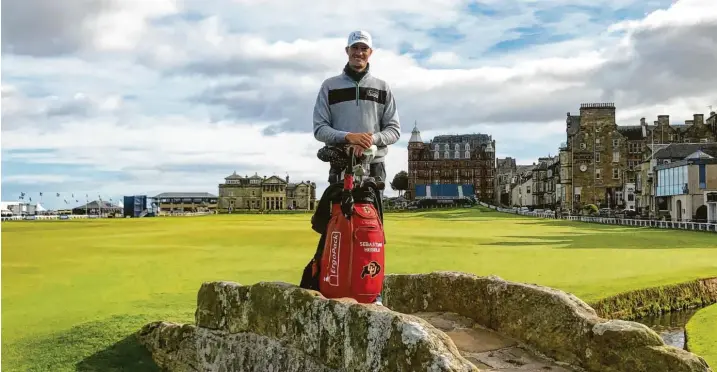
(73, 292)
(702, 334)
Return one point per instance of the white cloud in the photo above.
(178, 103)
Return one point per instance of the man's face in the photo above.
(358, 55)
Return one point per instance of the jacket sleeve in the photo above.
(323, 131)
(390, 124)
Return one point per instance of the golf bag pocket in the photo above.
(367, 264)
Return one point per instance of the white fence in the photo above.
(85, 216)
(696, 226)
(48, 217)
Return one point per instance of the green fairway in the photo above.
(702, 333)
(73, 291)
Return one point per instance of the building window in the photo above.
(436, 155)
(467, 154)
(615, 173)
(702, 176)
(597, 173)
(468, 147)
(616, 156)
(457, 154)
(583, 146)
(597, 157)
(615, 143)
(671, 181)
(446, 155)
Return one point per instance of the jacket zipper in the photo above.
(357, 93)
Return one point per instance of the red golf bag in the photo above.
(349, 261)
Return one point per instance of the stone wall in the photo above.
(657, 300)
(555, 323)
(271, 327)
(277, 327)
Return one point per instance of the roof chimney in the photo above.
(663, 120)
(698, 119)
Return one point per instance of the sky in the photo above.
(128, 97)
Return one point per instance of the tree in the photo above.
(400, 182)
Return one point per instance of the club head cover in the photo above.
(347, 203)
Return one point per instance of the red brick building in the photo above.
(465, 161)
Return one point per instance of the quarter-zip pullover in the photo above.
(356, 102)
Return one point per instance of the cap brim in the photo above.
(360, 42)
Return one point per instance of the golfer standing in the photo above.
(356, 108)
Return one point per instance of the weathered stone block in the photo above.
(553, 322)
(274, 326)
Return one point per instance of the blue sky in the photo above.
(147, 97)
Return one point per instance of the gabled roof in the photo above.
(631, 132)
(274, 179)
(699, 154)
(682, 150)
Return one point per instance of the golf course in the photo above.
(73, 292)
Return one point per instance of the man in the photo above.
(357, 109)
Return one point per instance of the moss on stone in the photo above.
(553, 322)
(657, 300)
(337, 334)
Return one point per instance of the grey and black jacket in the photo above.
(354, 102)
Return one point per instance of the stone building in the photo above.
(601, 161)
(466, 161)
(673, 165)
(506, 169)
(596, 151)
(545, 176)
(521, 191)
(265, 193)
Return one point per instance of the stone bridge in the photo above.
(442, 321)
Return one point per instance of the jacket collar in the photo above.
(356, 76)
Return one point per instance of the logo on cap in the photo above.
(360, 37)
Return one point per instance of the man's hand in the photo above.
(362, 140)
(358, 150)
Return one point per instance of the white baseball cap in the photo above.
(360, 36)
